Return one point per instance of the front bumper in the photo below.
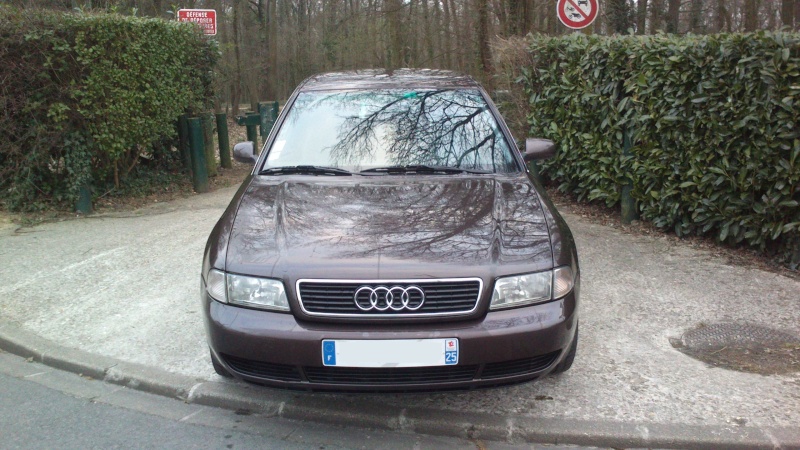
(502, 347)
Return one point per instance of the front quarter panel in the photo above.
(217, 244)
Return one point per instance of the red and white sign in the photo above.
(577, 14)
(206, 18)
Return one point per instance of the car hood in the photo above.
(384, 227)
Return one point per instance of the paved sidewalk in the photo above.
(124, 290)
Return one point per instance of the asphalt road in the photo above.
(45, 408)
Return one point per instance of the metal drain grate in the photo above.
(735, 334)
(742, 346)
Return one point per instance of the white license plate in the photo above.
(390, 353)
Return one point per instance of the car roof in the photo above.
(384, 79)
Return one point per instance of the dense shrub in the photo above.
(714, 122)
(85, 97)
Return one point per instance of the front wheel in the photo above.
(566, 363)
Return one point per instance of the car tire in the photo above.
(566, 363)
(218, 367)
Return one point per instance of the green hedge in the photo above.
(88, 96)
(714, 121)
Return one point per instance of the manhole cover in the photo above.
(743, 347)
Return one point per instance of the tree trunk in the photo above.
(751, 20)
(796, 15)
(448, 39)
(527, 17)
(411, 37)
(236, 88)
(723, 17)
(641, 17)
(618, 18)
(272, 50)
(787, 13)
(428, 42)
(483, 41)
(438, 26)
(772, 21)
(514, 17)
(656, 7)
(394, 21)
(696, 17)
(673, 15)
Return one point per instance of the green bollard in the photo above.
(251, 121)
(222, 138)
(208, 141)
(252, 135)
(629, 210)
(84, 203)
(198, 153)
(183, 141)
(252, 129)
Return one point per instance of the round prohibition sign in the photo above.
(577, 14)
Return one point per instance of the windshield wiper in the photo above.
(310, 170)
(421, 169)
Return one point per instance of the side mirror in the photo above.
(538, 149)
(243, 152)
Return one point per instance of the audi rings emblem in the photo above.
(382, 298)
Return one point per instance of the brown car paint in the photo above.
(390, 227)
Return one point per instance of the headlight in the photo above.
(263, 293)
(520, 290)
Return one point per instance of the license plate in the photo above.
(390, 353)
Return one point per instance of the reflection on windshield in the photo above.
(362, 130)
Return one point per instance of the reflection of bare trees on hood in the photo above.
(469, 219)
(442, 128)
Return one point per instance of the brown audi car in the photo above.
(390, 237)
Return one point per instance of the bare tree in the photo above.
(723, 22)
(483, 40)
(696, 24)
(618, 16)
(657, 14)
(751, 19)
(673, 16)
(787, 12)
(641, 16)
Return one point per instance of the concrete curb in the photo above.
(352, 410)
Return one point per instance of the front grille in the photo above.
(337, 298)
(519, 366)
(263, 369)
(402, 375)
(390, 375)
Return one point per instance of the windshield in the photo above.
(358, 131)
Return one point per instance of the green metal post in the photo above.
(628, 204)
(84, 203)
(198, 152)
(252, 130)
(208, 141)
(222, 137)
(183, 141)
